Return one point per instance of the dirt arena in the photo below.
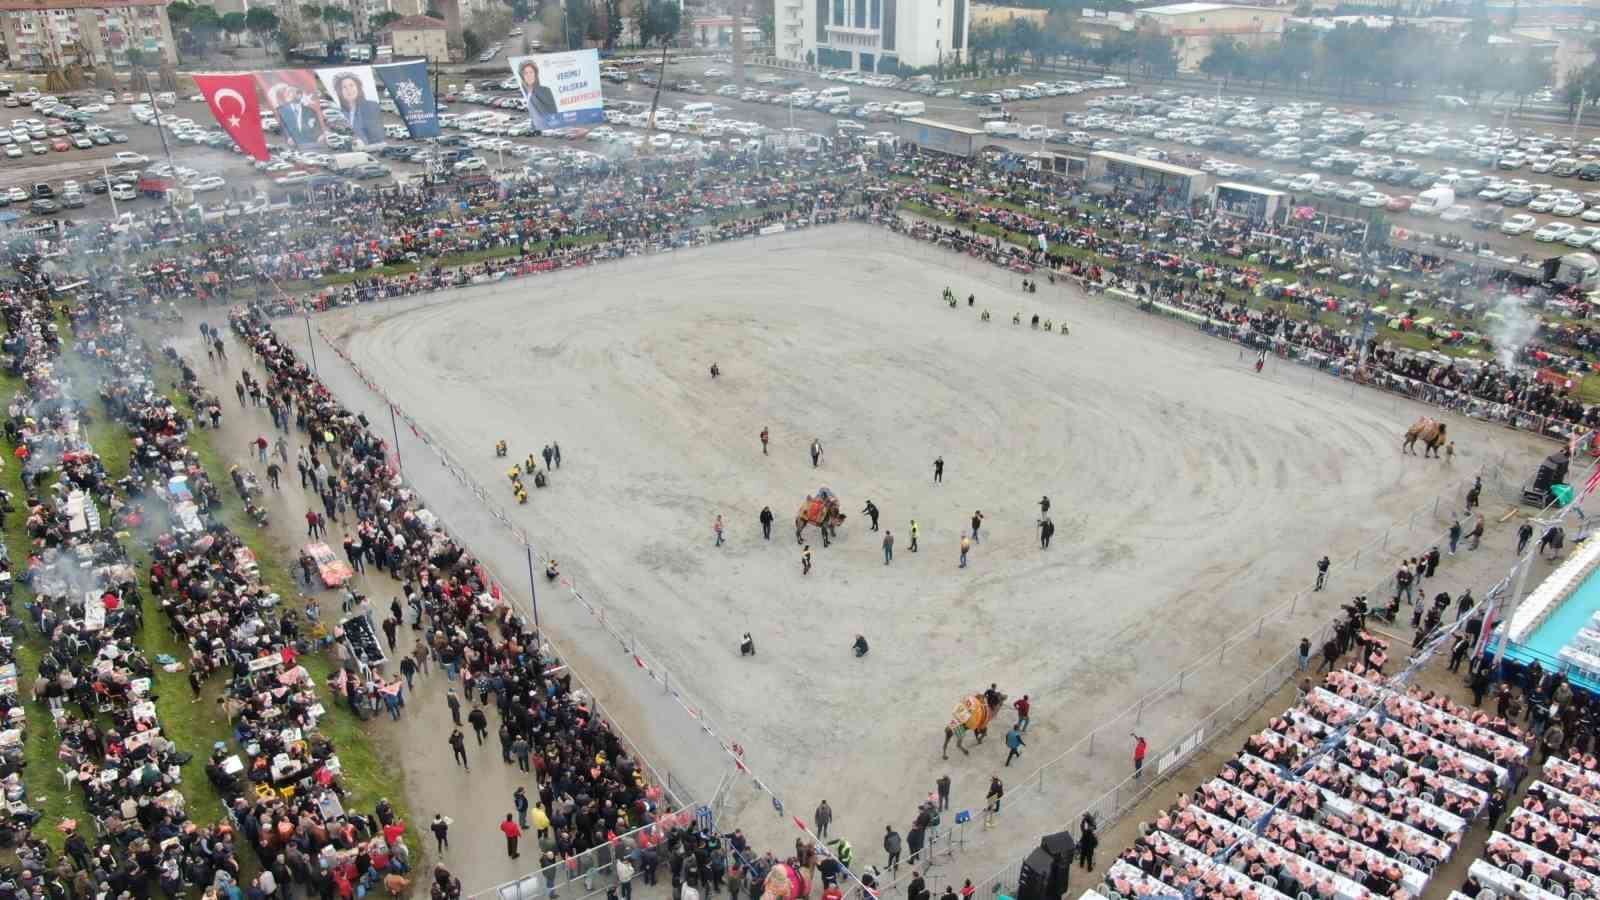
(1190, 495)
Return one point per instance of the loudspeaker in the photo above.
(1033, 882)
(1060, 845)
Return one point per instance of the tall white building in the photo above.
(873, 35)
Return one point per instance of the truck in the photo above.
(349, 162)
(1433, 201)
(942, 137)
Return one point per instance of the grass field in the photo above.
(193, 724)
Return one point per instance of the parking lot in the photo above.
(1512, 192)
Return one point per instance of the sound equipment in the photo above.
(1048, 869)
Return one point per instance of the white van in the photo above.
(698, 109)
(834, 95)
(907, 108)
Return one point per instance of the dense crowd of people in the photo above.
(1387, 805)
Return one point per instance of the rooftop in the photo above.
(1187, 9)
(409, 23)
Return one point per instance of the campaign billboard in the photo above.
(292, 95)
(560, 89)
(355, 90)
(407, 84)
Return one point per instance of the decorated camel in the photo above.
(792, 878)
(822, 510)
(974, 714)
(1429, 432)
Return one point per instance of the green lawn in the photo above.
(194, 726)
(368, 772)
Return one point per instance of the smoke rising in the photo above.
(1513, 329)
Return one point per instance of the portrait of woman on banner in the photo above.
(361, 112)
(542, 110)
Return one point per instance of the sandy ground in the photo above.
(1190, 494)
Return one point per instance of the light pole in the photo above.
(533, 587)
(311, 343)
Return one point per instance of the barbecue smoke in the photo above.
(1512, 331)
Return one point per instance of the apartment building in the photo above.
(45, 33)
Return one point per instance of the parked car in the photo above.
(1521, 223)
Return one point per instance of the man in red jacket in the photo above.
(512, 832)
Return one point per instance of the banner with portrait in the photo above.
(292, 96)
(355, 90)
(560, 89)
(407, 84)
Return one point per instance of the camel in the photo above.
(1429, 432)
(973, 714)
(821, 510)
(792, 878)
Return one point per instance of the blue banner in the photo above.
(408, 87)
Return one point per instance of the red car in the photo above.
(60, 146)
(1399, 204)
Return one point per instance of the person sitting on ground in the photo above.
(747, 647)
(499, 448)
(551, 572)
(528, 465)
(539, 480)
(1016, 318)
(984, 317)
(860, 646)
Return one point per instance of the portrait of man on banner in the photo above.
(292, 96)
(543, 111)
(356, 94)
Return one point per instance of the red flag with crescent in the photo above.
(232, 99)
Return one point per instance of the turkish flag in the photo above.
(232, 99)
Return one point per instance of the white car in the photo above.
(471, 164)
(1543, 203)
(1521, 223)
(208, 183)
(1374, 200)
(292, 178)
(124, 192)
(1554, 231)
(1458, 213)
(1568, 206)
(129, 158)
(1583, 237)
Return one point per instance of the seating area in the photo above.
(1289, 818)
(1547, 848)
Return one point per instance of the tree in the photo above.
(201, 29)
(234, 23)
(334, 16)
(311, 15)
(580, 16)
(261, 22)
(380, 21)
(659, 23)
(179, 13)
(1224, 61)
(613, 23)
(1154, 54)
(471, 43)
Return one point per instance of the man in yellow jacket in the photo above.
(541, 822)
